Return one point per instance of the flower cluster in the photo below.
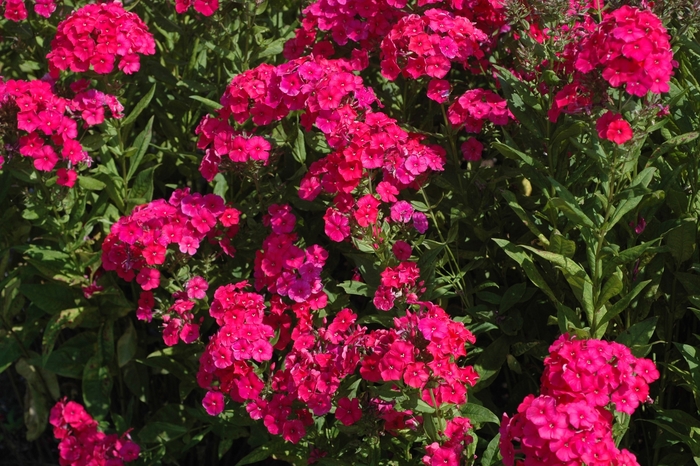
(96, 35)
(81, 441)
(286, 269)
(322, 356)
(242, 336)
(573, 98)
(613, 127)
(400, 282)
(15, 10)
(318, 360)
(138, 243)
(473, 108)
(422, 351)
(48, 123)
(363, 22)
(569, 422)
(180, 322)
(206, 7)
(365, 145)
(633, 49)
(368, 23)
(448, 453)
(425, 45)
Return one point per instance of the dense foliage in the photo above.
(379, 232)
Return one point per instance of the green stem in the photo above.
(600, 238)
(453, 263)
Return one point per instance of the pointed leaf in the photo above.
(299, 149)
(126, 346)
(141, 145)
(560, 245)
(637, 337)
(623, 303)
(526, 218)
(140, 106)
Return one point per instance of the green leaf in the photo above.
(681, 240)
(630, 255)
(564, 133)
(644, 177)
(526, 218)
(478, 414)
(274, 48)
(692, 358)
(623, 303)
(69, 359)
(215, 106)
(159, 360)
(515, 154)
(36, 413)
(560, 245)
(97, 387)
(521, 101)
(637, 337)
(512, 296)
(140, 106)
(674, 142)
(68, 318)
(490, 361)
(127, 345)
(579, 281)
(41, 379)
(142, 190)
(299, 149)
(261, 453)
(225, 445)
(161, 432)
(136, 379)
(91, 184)
(105, 342)
(568, 204)
(572, 212)
(423, 407)
(10, 351)
(490, 455)
(355, 288)
(612, 288)
(626, 205)
(49, 297)
(528, 266)
(140, 147)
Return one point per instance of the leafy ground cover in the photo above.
(379, 232)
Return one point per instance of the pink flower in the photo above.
(148, 278)
(420, 222)
(214, 403)
(197, 287)
(439, 90)
(611, 126)
(293, 431)
(188, 245)
(402, 250)
(45, 159)
(189, 333)
(471, 150)
(348, 411)
(619, 131)
(337, 225)
(402, 212)
(66, 177)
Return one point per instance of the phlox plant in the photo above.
(378, 232)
